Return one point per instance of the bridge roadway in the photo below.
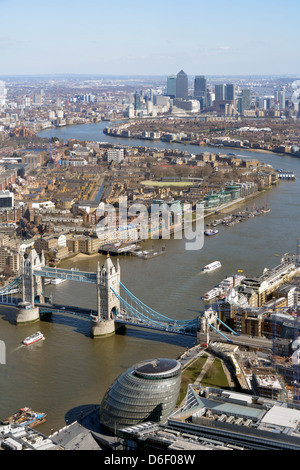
(241, 340)
(66, 274)
(123, 318)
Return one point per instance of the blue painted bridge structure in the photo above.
(116, 304)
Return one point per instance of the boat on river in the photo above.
(211, 232)
(57, 281)
(212, 294)
(212, 266)
(25, 417)
(38, 336)
(230, 282)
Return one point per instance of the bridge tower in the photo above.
(108, 305)
(32, 287)
(208, 320)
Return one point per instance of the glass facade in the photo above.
(182, 85)
(145, 392)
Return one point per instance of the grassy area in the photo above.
(189, 376)
(215, 376)
(167, 183)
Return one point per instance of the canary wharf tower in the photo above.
(182, 85)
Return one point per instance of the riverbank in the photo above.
(78, 257)
(75, 257)
(153, 141)
(197, 143)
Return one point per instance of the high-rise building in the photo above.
(137, 101)
(224, 98)
(244, 101)
(220, 92)
(200, 92)
(279, 98)
(37, 99)
(229, 92)
(171, 86)
(3, 93)
(182, 85)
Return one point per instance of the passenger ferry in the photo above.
(212, 266)
(212, 294)
(211, 232)
(38, 336)
(227, 283)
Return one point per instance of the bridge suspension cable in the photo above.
(160, 320)
(12, 285)
(152, 312)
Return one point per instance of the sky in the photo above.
(157, 37)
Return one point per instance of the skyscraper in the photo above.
(244, 101)
(171, 86)
(279, 98)
(3, 92)
(182, 85)
(220, 92)
(137, 101)
(200, 90)
(229, 92)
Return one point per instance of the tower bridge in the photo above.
(116, 305)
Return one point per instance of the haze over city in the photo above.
(97, 37)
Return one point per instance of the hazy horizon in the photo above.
(157, 39)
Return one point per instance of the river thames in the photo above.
(69, 370)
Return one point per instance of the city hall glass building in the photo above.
(146, 392)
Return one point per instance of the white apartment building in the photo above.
(115, 155)
(3, 93)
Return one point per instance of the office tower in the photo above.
(279, 98)
(210, 98)
(171, 86)
(3, 93)
(229, 92)
(220, 92)
(268, 103)
(200, 92)
(182, 85)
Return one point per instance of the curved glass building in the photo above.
(147, 391)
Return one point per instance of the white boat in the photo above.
(211, 266)
(231, 281)
(212, 294)
(211, 232)
(57, 281)
(38, 336)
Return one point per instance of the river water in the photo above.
(69, 370)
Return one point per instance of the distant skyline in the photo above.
(158, 38)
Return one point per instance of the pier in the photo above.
(237, 217)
